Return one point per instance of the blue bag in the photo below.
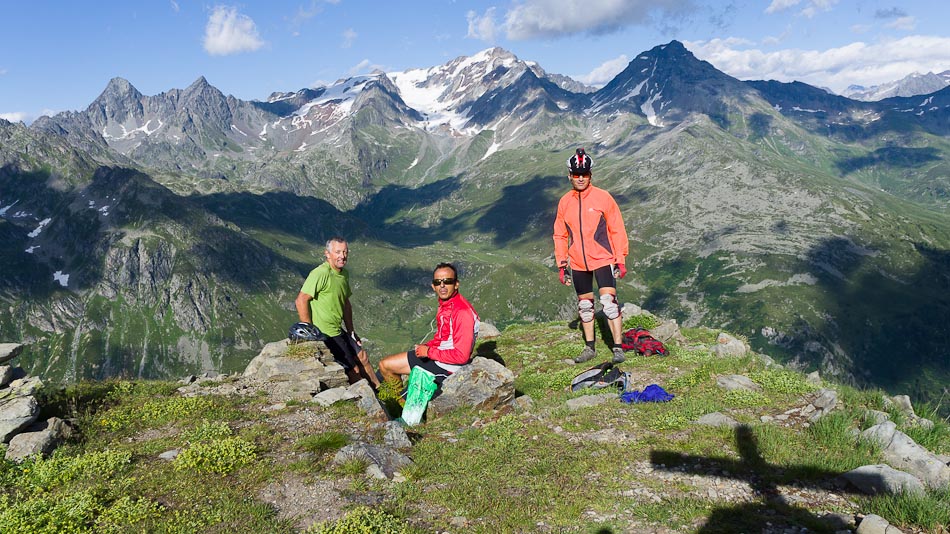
(651, 393)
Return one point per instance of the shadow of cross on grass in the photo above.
(773, 512)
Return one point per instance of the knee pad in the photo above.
(585, 308)
(609, 302)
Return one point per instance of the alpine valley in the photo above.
(157, 236)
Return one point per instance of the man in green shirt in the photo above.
(324, 301)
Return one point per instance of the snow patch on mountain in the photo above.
(127, 134)
(40, 227)
(3, 210)
(62, 278)
(491, 150)
(425, 97)
(341, 94)
(650, 111)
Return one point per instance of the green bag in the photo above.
(421, 388)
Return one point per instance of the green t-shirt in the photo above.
(329, 290)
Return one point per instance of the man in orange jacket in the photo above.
(590, 241)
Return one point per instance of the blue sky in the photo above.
(57, 56)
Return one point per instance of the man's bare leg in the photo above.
(366, 369)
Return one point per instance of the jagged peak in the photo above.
(495, 52)
(200, 88)
(674, 47)
(119, 88)
(199, 85)
(120, 85)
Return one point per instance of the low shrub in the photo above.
(208, 431)
(782, 381)
(362, 520)
(221, 456)
(127, 512)
(50, 514)
(153, 412)
(744, 398)
(60, 469)
(642, 321)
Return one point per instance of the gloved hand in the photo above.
(564, 275)
(621, 270)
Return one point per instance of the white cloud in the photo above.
(543, 19)
(303, 16)
(484, 27)
(605, 72)
(903, 23)
(175, 6)
(781, 5)
(229, 32)
(860, 28)
(812, 7)
(365, 67)
(16, 116)
(348, 37)
(836, 68)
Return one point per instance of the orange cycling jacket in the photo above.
(589, 231)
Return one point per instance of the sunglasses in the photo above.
(443, 282)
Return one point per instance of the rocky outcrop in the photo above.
(39, 438)
(903, 405)
(8, 351)
(487, 330)
(484, 384)
(734, 382)
(20, 411)
(875, 524)
(902, 452)
(382, 462)
(16, 414)
(296, 371)
(728, 346)
(883, 479)
(668, 331)
(717, 419)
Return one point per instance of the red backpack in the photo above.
(639, 339)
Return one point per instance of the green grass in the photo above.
(927, 512)
(323, 443)
(573, 470)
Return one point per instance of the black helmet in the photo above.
(305, 332)
(580, 163)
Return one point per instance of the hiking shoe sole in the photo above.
(619, 356)
(585, 355)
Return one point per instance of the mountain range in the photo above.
(910, 85)
(158, 235)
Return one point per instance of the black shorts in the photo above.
(427, 364)
(584, 280)
(344, 350)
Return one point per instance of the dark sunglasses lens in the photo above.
(443, 281)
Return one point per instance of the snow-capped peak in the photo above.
(443, 94)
